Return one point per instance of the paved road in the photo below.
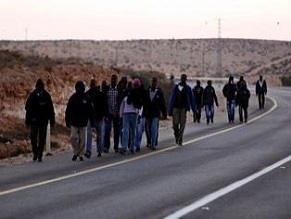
(208, 175)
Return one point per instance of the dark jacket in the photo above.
(99, 101)
(209, 96)
(79, 110)
(242, 98)
(229, 91)
(198, 94)
(261, 89)
(39, 109)
(188, 98)
(154, 107)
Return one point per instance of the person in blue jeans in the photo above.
(208, 99)
(229, 91)
(154, 106)
(100, 109)
(129, 110)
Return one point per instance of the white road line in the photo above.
(224, 191)
(9, 191)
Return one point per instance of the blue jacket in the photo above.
(190, 100)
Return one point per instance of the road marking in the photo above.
(9, 191)
(224, 191)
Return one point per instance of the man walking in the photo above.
(209, 97)
(229, 91)
(39, 109)
(198, 93)
(261, 91)
(181, 100)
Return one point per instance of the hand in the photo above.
(138, 119)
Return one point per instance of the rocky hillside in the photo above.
(18, 74)
(175, 56)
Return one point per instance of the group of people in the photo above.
(129, 109)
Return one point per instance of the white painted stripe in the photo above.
(128, 160)
(224, 191)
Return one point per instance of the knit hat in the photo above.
(136, 82)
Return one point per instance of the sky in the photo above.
(144, 19)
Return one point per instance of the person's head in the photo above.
(136, 83)
(230, 79)
(114, 80)
(154, 82)
(80, 87)
(39, 85)
(198, 83)
(209, 82)
(123, 83)
(183, 79)
(93, 83)
(241, 78)
(261, 77)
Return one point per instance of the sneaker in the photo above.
(131, 151)
(99, 154)
(34, 158)
(74, 158)
(153, 148)
(106, 150)
(87, 154)
(81, 158)
(116, 150)
(137, 150)
(39, 159)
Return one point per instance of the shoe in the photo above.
(99, 154)
(153, 148)
(34, 158)
(180, 143)
(74, 158)
(87, 154)
(122, 151)
(81, 158)
(137, 150)
(39, 159)
(106, 150)
(131, 151)
(116, 150)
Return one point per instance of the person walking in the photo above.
(198, 95)
(78, 111)
(129, 110)
(209, 97)
(154, 106)
(261, 91)
(112, 116)
(242, 100)
(181, 100)
(229, 91)
(39, 110)
(100, 108)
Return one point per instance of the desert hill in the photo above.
(238, 56)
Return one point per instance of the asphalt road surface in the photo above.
(221, 171)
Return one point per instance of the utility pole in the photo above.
(219, 46)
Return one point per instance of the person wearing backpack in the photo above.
(242, 101)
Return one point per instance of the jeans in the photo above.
(139, 132)
(100, 136)
(209, 111)
(129, 129)
(37, 138)
(179, 122)
(116, 129)
(152, 125)
(230, 105)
